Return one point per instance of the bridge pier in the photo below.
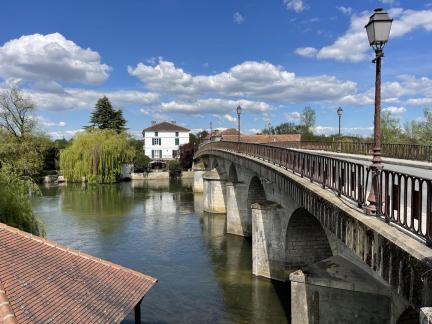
(214, 192)
(268, 256)
(238, 222)
(337, 289)
(198, 179)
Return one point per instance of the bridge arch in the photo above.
(256, 193)
(306, 241)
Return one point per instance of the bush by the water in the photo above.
(174, 168)
(15, 206)
(97, 156)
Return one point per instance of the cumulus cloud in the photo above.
(293, 116)
(64, 134)
(251, 79)
(51, 58)
(359, 131)
(395, 110)
(45, 122)
(213, 105)
(295, 5)
(75, 98)
(238, 18)
(353, 46)
(306, 51)
(345, 10)
(230, 118)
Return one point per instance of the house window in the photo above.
(156, 154)
(156, 141)
(177, 141)
(156, 134)
(177, 134)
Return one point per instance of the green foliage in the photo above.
(421, 130)
(174, 168)
(201, 135)
(187, 152)
(97, 155)
(141, 162)
(15, 206)
(26, 154)
(193, 138)
(106, 117)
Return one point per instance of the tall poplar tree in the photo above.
(106, 117)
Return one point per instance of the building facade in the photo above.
(162, 140)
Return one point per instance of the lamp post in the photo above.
(211, 131)
(378, 32)
(339, 112)
(239, 109)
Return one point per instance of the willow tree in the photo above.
(97, 156)
(15, 205)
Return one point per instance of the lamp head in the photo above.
(378, 28)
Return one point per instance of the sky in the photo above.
(195, 61)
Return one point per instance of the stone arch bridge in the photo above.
(303, 214)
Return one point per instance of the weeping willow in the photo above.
(97, 156)
(15, 205)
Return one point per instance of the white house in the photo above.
(162, 141)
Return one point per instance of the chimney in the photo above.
(153, 122)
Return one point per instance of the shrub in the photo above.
(174, 169)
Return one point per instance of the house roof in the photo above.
(42, 281)
(264, 138)
(166, 127)
(229, 131)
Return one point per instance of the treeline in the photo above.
(392, 132)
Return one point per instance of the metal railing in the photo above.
(397, 151)
(403, 199)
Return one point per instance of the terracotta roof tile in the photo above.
(42, 281)
(166, 127)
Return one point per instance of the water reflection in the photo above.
(158, 227)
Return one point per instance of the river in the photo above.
(159, 228)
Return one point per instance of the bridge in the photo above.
(304, 213)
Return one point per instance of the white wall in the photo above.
(168, 143)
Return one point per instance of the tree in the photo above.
(26, 154)
(187, 152)
(421, 131)
(106, 117)
(307, 118)
(15, 206)
(284, 128)
(174, 169)
(16, 113)
(97, 155)
(201, 136)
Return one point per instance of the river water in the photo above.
(159, 228)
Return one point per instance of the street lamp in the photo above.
(211, 131)
(378, 32)
(339, 112)
(239, 109)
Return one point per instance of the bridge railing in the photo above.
(397, 151)
(403, 199)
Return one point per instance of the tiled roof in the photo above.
(165, 127)
(229, 131)
(264, 138)
(44, 282)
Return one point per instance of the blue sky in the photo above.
(195, 61)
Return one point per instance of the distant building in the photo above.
(162, 140)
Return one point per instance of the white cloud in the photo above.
(326, 130)
(353, 46)
(296, 5)
(51, 58)
(64, 134)
(254, 131)
(395, 110)
(250, 79)
(238, 18)
(293, 116)
(230, 118)
(45, 122)
(345, 10)
(213, 105)
(306, 51)
(75, 98)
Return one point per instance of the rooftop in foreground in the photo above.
(42, 281)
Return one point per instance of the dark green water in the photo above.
(159, 228)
